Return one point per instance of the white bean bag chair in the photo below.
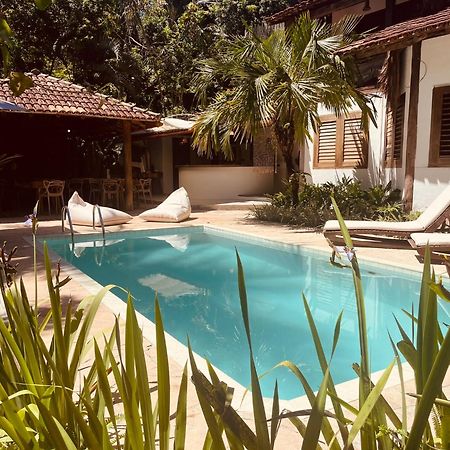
(175, 208)
(81, 213)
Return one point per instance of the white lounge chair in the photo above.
(175, 208)
(438, 242)
(81, 213)
(379, 233)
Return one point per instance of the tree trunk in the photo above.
(285, 140)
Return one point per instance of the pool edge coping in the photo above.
(349, 390)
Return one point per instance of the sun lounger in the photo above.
(379, 233)
(438, 242)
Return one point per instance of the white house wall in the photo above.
(429, 181)
(435, 71)
(371, 175)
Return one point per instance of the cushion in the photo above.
(364, 225)
(432, 239)
(436, 208)
(81, 213)
(175, 208)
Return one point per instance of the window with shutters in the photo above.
(395, 125)
(440, 128)
(340, 142)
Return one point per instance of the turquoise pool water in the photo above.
(194, 273)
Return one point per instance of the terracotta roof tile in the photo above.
(55, 96)
(401, 35)
(295, 10)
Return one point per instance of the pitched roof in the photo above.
(170, 126)
(401, 35)
(295, 10)
(50, 95)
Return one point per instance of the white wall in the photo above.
(373, 174)
(435, 71)
(375, 5)
(211, 184)
(429, 181)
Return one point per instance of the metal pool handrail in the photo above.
(65, 212)
(96, 207)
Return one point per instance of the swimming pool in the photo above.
(193, 269)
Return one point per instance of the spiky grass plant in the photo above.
(46, 402)
(373, 423)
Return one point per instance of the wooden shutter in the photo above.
(325, 143)
(395, 124)
(399, 125)
(340, 142)
(440, 127)
(354, 148)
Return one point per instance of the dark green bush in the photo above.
(314, 206)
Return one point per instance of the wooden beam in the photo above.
(127, 146)
(411, 135)
(389, 13)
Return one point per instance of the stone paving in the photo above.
(15, 233)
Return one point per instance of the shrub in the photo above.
(48, 403)
(314, 206)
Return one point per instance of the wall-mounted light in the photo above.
(366, 6)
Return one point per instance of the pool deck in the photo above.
(237, 220)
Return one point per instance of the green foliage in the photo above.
(277, 83)
(142, 51)
(314, 205)
(48, 401)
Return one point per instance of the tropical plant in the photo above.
(48, 402)
(314, 205)
(144, 51)
(18, 81)
(373, 422)
(277, 83)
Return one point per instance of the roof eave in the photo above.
(154, 121)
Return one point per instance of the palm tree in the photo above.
(277, 83)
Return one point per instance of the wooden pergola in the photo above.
(55, 107)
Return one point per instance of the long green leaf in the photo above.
(368, 433)
(311, 438)
(324, 366)
(180, 424)
(370, 403)
(431, 390)
(163, 380)
(262, 431)
(206, 409)
(274, 421)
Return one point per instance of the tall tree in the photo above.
(277, 83)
